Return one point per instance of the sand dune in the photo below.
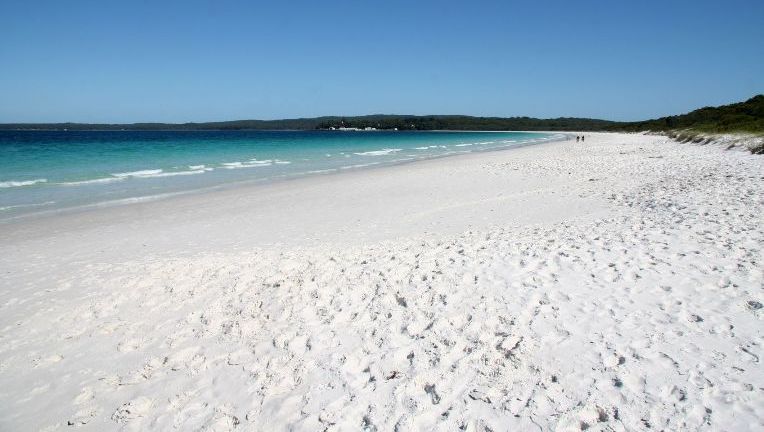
(610, 285)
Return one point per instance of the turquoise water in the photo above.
(52, 170)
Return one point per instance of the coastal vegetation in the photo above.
(746, 117)
(458, 122)
(387, 122)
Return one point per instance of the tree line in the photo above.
(745, 116)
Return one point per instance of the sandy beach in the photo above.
(615, 284)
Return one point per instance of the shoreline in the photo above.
(54, 212)
(613, 284)
(58, 209)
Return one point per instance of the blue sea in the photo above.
(42, 171)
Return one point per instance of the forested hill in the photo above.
(400, 122)
(745, 116)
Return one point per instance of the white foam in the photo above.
(141, 173)
(158, 173)
(174, 173)
(254, 163)
(93, 181)
(359, 165)
(19, 183)
(321, 171)
(382, 152)
(133, 200)
(26, 205)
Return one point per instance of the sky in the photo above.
(178, 61)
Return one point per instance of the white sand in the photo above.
(610, 285)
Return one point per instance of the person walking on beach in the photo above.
(582, 138)
(577, 138)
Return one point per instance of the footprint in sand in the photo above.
(613, 360)
(85, 395)
(130, 345)
(40, 362)
(585, 418)
(188, 358)
(83, 416)
(202, 413)
(223, 420)
(133, 409)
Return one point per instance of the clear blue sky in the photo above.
(130, 61)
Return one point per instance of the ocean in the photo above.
(44, 171)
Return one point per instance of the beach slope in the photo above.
(614, 284)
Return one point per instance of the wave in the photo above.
(133, 200)
(141, 173)
(10, 207)
(161, 173)
(19, 183)
(252, 163)
(382, 152)
(323, 171)
(155, 173)
(175, 173)
(93, 181)
(476, 143)
(359, 165)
